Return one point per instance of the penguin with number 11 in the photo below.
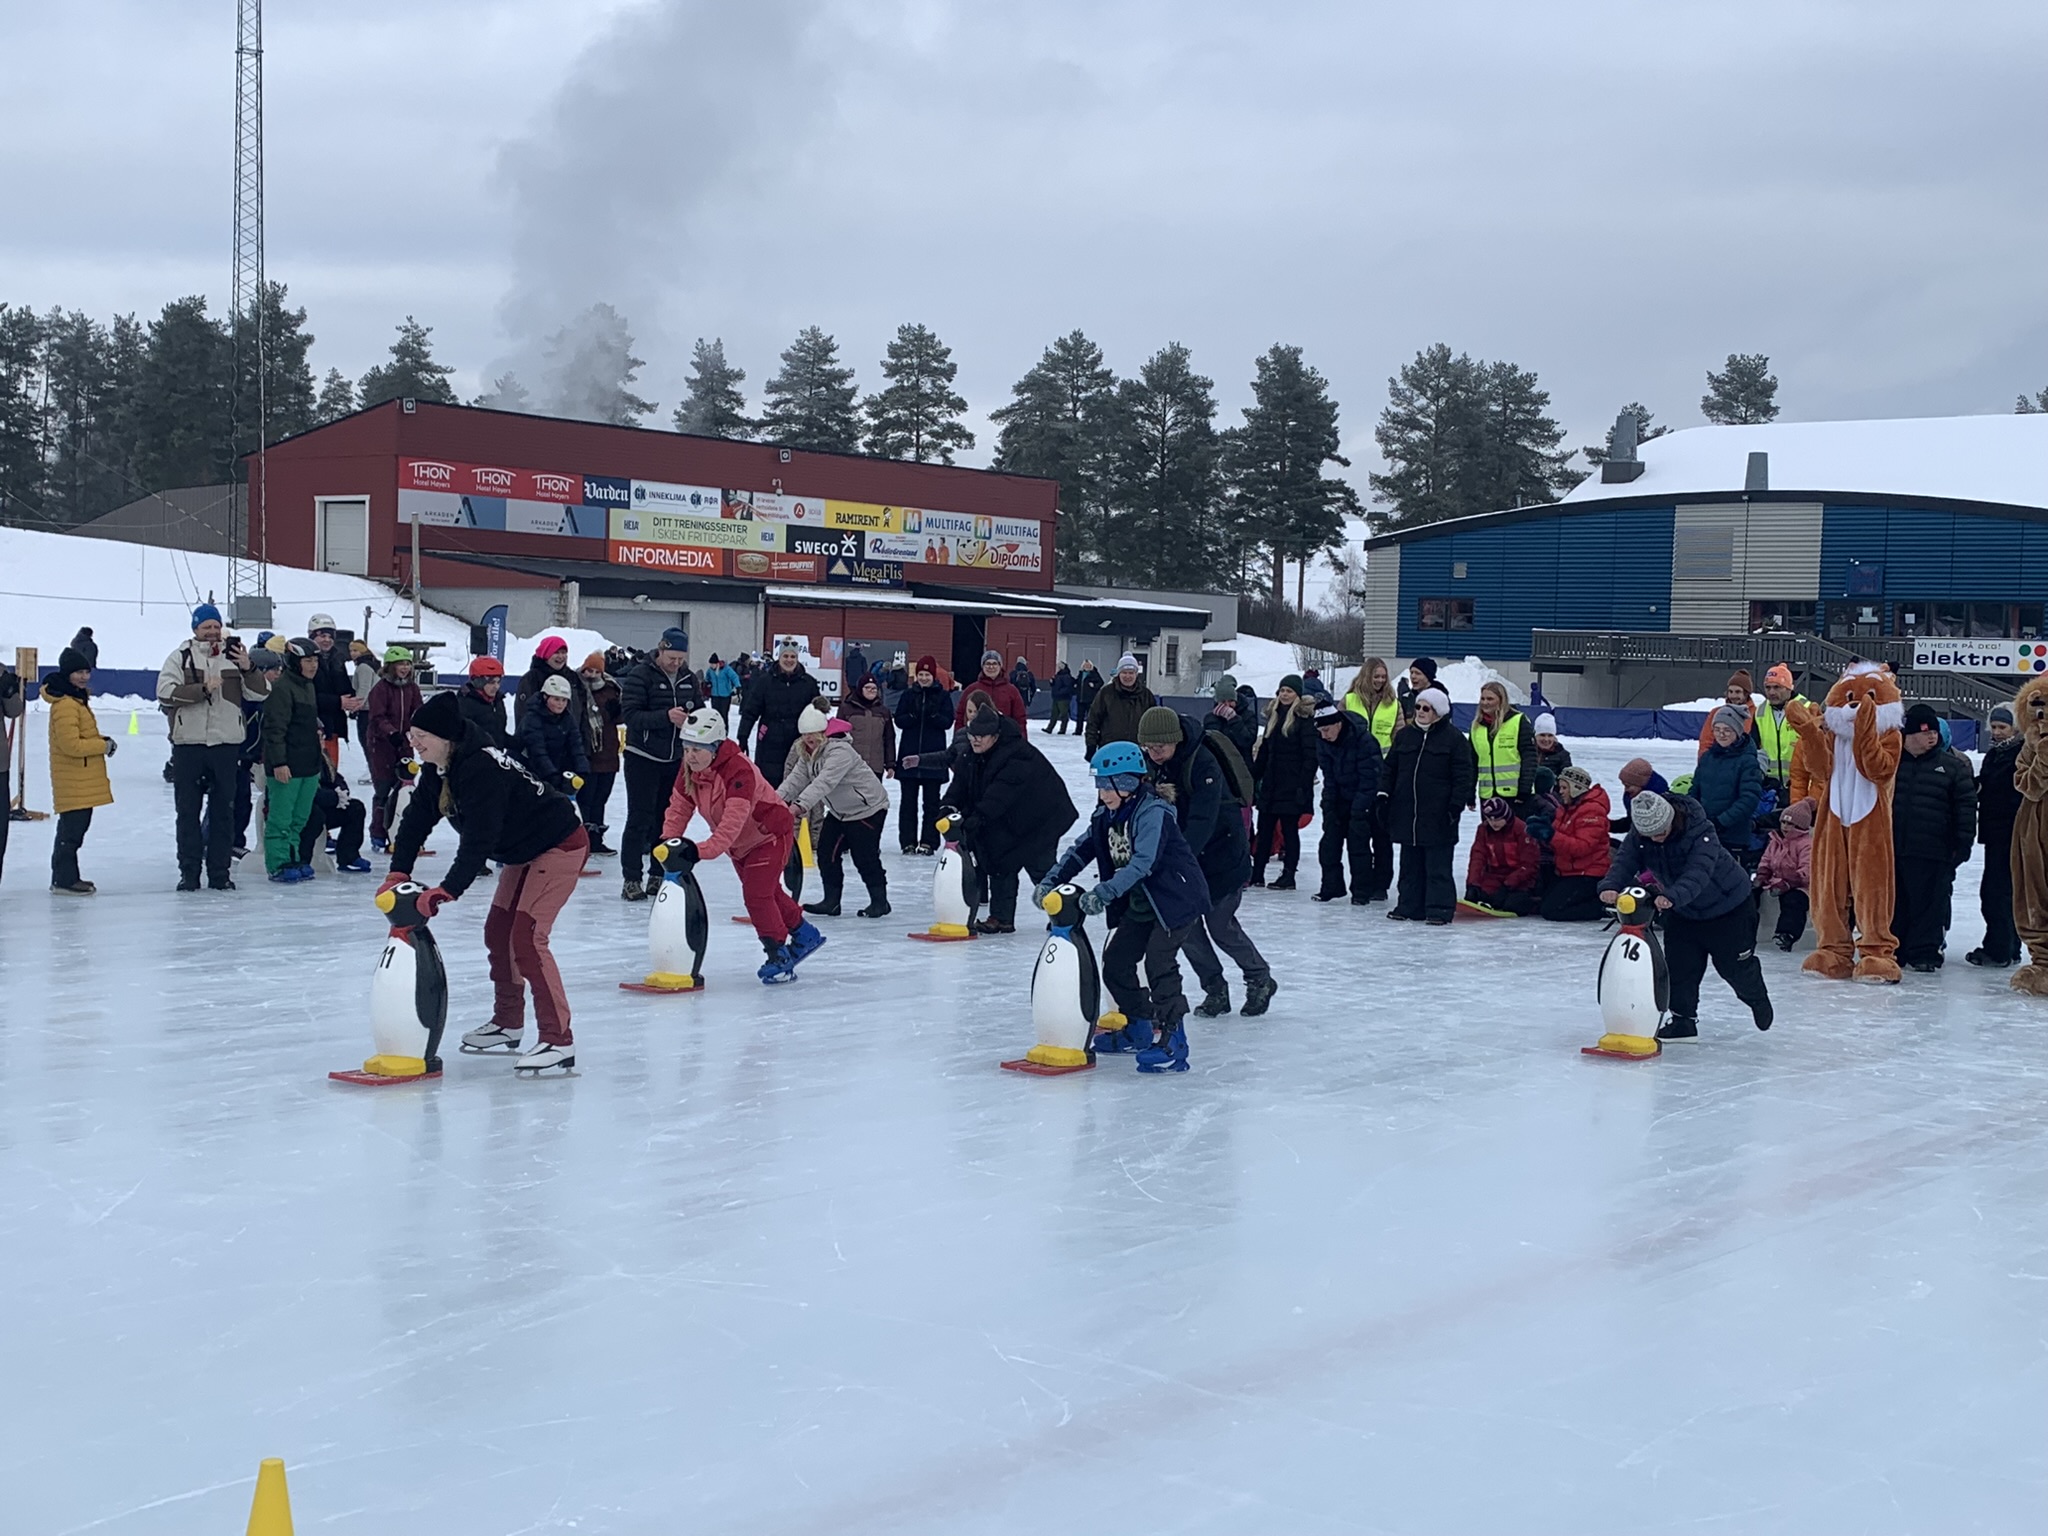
(1634, 987)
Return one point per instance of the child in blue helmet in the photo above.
(1152, 888)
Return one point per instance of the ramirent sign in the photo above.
(2013, 658)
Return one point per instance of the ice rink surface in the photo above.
(1394, 1258)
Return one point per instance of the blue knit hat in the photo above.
(673, 639)
(205, 613)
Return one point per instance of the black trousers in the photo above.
(1521, 903)
(344, 821)
(1000, 880)
(917, 818)
(1345, 832)
(1290, 844)
(1729, 941)
(862, 839)
(1382, 855)
(1427, 887)
(724, 707)
(594, 798)
(648, 786)
(1920, 914)
(6, 813)
(1160, 997)
(1573, 899)
(203, 778)
(1994, 899)
(1221, 930)
(71, 830)
(1794, 905)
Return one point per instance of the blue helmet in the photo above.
(1117, 760)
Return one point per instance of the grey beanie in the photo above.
(1651, 814)
(2001, 714)
(1732, 717)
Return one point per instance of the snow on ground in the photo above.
(803, 1260)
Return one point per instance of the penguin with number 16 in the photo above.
(1634, 986)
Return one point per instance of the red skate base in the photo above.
(378, 1080)
(641, 986)
(1594, 1050)
(1024, 1064)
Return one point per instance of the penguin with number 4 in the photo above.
(1066, 993)
(408, 997)
(956, 887)
(1634, 985)
(678, 929)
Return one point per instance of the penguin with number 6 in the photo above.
(679, 928)
(1634, 984)
(408, 997)
(1066, 993)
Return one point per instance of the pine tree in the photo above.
(714, 406)
(1744, 392)
(810, 401)
(288, 392)
(183, 409)
(1061, 424)
(1163, 528)
(2035, 406)
(412, 373)
(505, 394)
(21, 414)
(1596, 453)
(337, 397)
(1274, 467)
(1515, 462)
(80, 417)
(916, 415)
(1426, 433)
(591, 369)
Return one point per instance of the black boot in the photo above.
(1215, 1001)
(1258, 996)
(829, 907)
(1679, 1026)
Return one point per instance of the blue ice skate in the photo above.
(1169, 1055)
(805, 942)
(779, 967)
(1136, 1035)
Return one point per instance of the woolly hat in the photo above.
(812, 720)
(838, 727)
(1426, 665)
(786, 643)
(991, 655)
(594, 662)
(673, 639)
(1127, 662)
(2001, 714)
(440, 715)
(1739, 678)
(1574, 782)
(986, 723)
(927, 664)
(558, 688)
(1437, 700)
(1493, 807)
(1651, 814)
(1779, 676)
(1546, 724)
(205, 613)
(1225, 691)
(1291, 680)
(70, 660)
(551, 645)
(1158, 727)
(1921, 717)
(1731, 717)
(1799, 815)
(1329, 712)
(703, 728)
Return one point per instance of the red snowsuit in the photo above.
(1578, 841)
(749, 821)
(1506, 860)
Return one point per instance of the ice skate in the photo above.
(1114, 1036)
(779, 967)
(805, 942)
(546, 1061)
(491, 1041)
(1168, 1054)
(1681, 1027)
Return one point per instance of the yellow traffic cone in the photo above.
(803, 842)
(271, 1514)
(134, 723)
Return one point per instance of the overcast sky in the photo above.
(1614, 195)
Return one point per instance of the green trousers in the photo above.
(285, 821)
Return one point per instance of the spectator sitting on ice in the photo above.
(1501, 870)
(1579, 850)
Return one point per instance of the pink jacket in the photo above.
(742, 807)
(1787, 864)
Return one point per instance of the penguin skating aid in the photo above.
(1634, 986)
(954, 885)
(408, 998)
(678, 927)
(1066, 993)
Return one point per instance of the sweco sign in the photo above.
(2015, 658)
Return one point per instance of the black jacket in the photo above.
(646, 695)
(553, 745)
(1241, 728)
(1934, 807)
(1998, 801)
(1690, 867)
(1350, 765)
(1013, 799)
(924, 726)
(487, 715)
(501, 812)
(1428, 781)
(1284, 762)
(1087, 684)
(291, 724)
(529, 693)
(334, 678)
(1210, 817)
(773, 701)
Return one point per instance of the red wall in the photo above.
(1036, 640)
(921, 630)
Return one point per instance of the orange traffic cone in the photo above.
(271, 1513)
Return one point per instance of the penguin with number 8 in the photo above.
(1151, 892)
(1066, 992)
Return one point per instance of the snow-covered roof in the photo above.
(2002, 460)
(894, 597)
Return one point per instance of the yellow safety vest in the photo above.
(1500, 761)
(1776, 737)
(1382, 718)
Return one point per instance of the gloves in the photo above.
(432, 901)
(113, 746)
(1541, 829)
(392, 881)
(1091, 902)
(1040, 891)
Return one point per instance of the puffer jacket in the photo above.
(1428, 782)
(832, 776)
(1690, 868)
(1728, 783)
(874, 731)
(924, 723)
(291, 724)
(553, 746)
(772, 703)
(742, 809)
(1934, 807)
(1787, 864)
(487, 715)
(201, 717)
(1114, 715)
(1144, 867)
(1284, 762)
(530, 685)
(1578, 838)
(78, 752)
(1998, 798)
(646, 695)
(1506, 860)
(1350, 766)
(1206, 805)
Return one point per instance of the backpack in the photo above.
(1224, 750)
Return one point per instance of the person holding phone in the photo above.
(201, 688)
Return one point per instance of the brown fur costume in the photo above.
(1852, 752)
(2030, 837)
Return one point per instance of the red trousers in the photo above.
(774, 912)
(522, 915)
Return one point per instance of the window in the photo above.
(1768, 616)
(1705, 553)
(1973, 621)
(1172, 656)
(1853, 620)
(1444, 613)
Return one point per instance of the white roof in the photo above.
(1998, 459)
(894, 597)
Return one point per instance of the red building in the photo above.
(628, 530)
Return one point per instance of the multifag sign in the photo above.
(758, 565)
(490, 480)
(680, 559)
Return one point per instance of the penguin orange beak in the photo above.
(1625, 904)
(387, 901)
(1052, 903)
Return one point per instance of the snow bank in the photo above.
(1462, 680)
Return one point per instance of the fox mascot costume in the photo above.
(1852, 748)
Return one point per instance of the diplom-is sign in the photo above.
(2014, 658)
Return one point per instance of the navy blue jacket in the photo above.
(552, 744)
(924, 727)
(1350, 765)
(1690, 868)
(1210, 818)
(1062, 684)
(1156, 856)
(1728, 783)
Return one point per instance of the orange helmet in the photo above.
(486, 666)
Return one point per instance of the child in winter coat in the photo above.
(554, 739)
(1550, 752)
(1501, 870)
(828, 775)
(1787, 868)
(78, 766)
(1576, 839)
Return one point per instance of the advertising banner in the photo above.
(553, 517)
(494, 631)
(760, 565)
(607, 491)
(2012, 658)
(679, 559)
(688, 500)
(490, 480)
(863, 514)
(768, 507)
(951, 524)
(842, 544)
(634, 525)
(894, 546)
(437, 509)
(842, 571)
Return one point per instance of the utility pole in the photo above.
(249, 568)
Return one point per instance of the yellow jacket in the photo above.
(78, 753)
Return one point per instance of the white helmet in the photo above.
(703, 728)
(320, 621)
(557, 687)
